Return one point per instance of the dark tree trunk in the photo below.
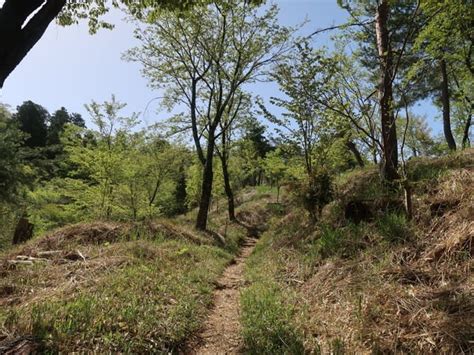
(225, 173)
(206, 187)
(155, 192)
(389, 132)
(353, 148)
(448, 134)
(374, 156)
(228, 192)
(23, 231)
(18, 37)
(278, 191)
(228, 188)
(194, 124)
(466, 143)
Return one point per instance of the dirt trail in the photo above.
(221, 331)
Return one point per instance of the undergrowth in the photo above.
(268, 308)
(384, 284)
(142, 288)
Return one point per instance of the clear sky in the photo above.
(68, 67)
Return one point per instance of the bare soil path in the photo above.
(221, 331)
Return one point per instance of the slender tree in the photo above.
(202, 60)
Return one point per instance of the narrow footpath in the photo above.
(221, 331)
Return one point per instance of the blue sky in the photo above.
(69, 67)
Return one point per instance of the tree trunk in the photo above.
(353, 148)
(16, 37)
(389, 133)
(155, 192)
(206, 187)
(225, 173)
(194, 124)
(448, 134)
(466, 143)
(228, 189)
(374, 156)
(23, 231)
(278, 191)
(408, 200)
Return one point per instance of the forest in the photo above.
(327, 217)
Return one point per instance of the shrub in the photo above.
(315, 194)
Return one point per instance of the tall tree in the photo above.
(447, 40)
(12, 172)
(252, 148)
(385, 92)
(384, 46)
(58, 121)
(304, 122)
(203, 60)
(32, 119)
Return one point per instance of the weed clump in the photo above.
(267, 321)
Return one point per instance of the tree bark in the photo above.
(408, 200)
(466, 143)
(23, 231)
(353, 148)
(448, 134)
(389, 133)
(228, 189)
(206, 187)
(194, 125)
(16, 37)
(225, 173)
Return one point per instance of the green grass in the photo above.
(267, 321)
(394, 227)
(152, 300)
(268, 309)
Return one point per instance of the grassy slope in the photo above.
(141, 288)
(383, 285)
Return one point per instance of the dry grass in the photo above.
(67, 290)
(421, 298)
(412, 296)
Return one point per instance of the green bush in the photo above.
(316, 194)
(266, 321)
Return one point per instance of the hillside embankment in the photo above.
(364, 278)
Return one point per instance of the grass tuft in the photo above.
(267, 321)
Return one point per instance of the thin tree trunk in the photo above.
(353, 148)
(225, 173)
(278, 191)
(374, 156)
(466, 143)
(228, 188)
(408, 200)
(206, 187)
(448, 134)
(155, 192)
(389, 133)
